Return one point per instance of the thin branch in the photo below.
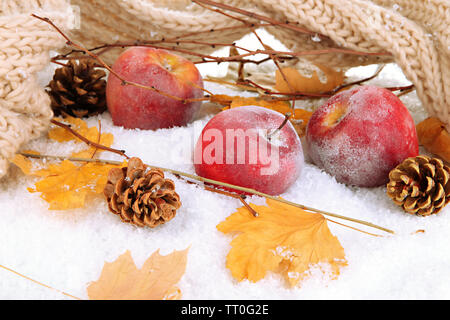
(287, 25)
(87, 141)
(74, 159)
(232, 195)
(357, 82)
(405, 91)
(253, 15)
(106, 66)
(353, 228)
(39, 283)
(241, 189)
(401, 88)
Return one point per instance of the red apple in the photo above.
(133, 107)
(360, 135)
(242, 146)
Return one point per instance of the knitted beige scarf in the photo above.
(415, 32)
(25, 43)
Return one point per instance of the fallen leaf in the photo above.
(66, 185)
(91, 133)
(24, 163)
(62, 135)
(238, 101)
(283, 106)
(281, 236)
(296, 82)
(156, 280)
(434, 137)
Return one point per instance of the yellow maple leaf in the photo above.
(91, 133)
(296, 82)
(24, 163)
(66, 185)
(434, 137)
(156, 280)
(62, 135)
(281, 236)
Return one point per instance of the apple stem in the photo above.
(222, 184)
(285, 121)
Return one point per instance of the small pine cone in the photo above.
(420, 185)
(78, 89)
(141, 195)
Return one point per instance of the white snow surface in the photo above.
(66, 250)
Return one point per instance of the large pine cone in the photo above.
(420, 185)
(141, 195)
(78, 89)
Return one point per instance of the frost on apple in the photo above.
(235, 148)
(360, 135)
(134, 107)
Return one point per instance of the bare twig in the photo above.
(106, 66)
(87, 141)
(287, 25)
(253, 15)
(241, 189)
(39, 283)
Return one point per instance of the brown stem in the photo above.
(405, 91)
(357, 82)
(353, 228)
(253, 15)
(87, 141)
(39, 283)
(106, 66)
(401, 88)
(236, 196)
(286, 119)
(277, 64)
(287, 25)
(238, 188)
(74, 159)
(249, 208)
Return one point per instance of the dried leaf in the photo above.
(61, 135)
(434, 137)
(66, 185)
(266, 103)
(24, 163)
(296, 82)
(281, 236)
(156, 280)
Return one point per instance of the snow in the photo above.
(66, 250)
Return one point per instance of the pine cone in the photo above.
(420, 185)
(141, 195)
(78, 89)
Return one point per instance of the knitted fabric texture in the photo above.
(25, 44)
(415, 32)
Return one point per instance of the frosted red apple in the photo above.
(238, 146)
(360, 135)
(133, 107)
